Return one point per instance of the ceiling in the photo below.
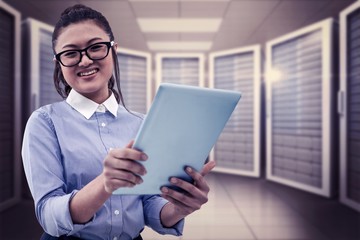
(243, 22)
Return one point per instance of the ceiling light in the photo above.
(179, 46)
(179, 24)
(178, 0)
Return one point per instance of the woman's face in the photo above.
(89, 77)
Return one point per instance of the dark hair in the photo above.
(75, 14)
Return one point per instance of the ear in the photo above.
(115, 46)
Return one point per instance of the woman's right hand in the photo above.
(121, 168)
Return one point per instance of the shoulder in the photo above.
(46, 113)
(130, 115)
(50, 109)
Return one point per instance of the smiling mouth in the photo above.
(88, 73)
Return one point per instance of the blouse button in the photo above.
(116, 212)
(101, 108)
(103, 124)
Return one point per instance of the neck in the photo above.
(98, 98)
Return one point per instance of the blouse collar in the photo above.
(88, 107)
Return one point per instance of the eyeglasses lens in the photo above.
(94, 52)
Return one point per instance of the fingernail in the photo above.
(189, 169)
(164, 189)
(173, 180)
(144, 157)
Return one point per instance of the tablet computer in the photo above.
(180, 129)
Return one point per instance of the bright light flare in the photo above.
(275, 75)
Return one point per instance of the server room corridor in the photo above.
(288, 162)
(239, 208)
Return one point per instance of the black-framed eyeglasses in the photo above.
(96, 51)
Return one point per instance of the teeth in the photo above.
(88, 73)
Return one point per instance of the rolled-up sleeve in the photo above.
(45, 175)
(152, 208)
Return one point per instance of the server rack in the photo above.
(299, 110)
(38, 64)
(10, 105)
(181, 68)
(135, 79)
(237, 150)
(349, 106)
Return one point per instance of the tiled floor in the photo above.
(239, 208)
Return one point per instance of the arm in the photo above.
(57, 208)
(119, 171)
(88, 201)
(182, 204)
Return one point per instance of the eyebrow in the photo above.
(76, 46)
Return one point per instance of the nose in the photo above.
(85, 60)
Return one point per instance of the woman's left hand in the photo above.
(193, 195)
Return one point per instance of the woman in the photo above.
(78, 151)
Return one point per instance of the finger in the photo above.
(132, 167)
(128, 153)
(177, 197)
(186, 210)
(199, 180)
(208, 167)
(122, 176)
(191, 189)
(130, 144)
(126, 180)
(125, 165)
(113, 184)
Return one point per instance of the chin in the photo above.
(91, 92)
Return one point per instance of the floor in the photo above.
(239, 208)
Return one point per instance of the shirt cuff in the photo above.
(155, 222)
(59, 221)
(77, 227)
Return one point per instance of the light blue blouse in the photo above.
(63, 150)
